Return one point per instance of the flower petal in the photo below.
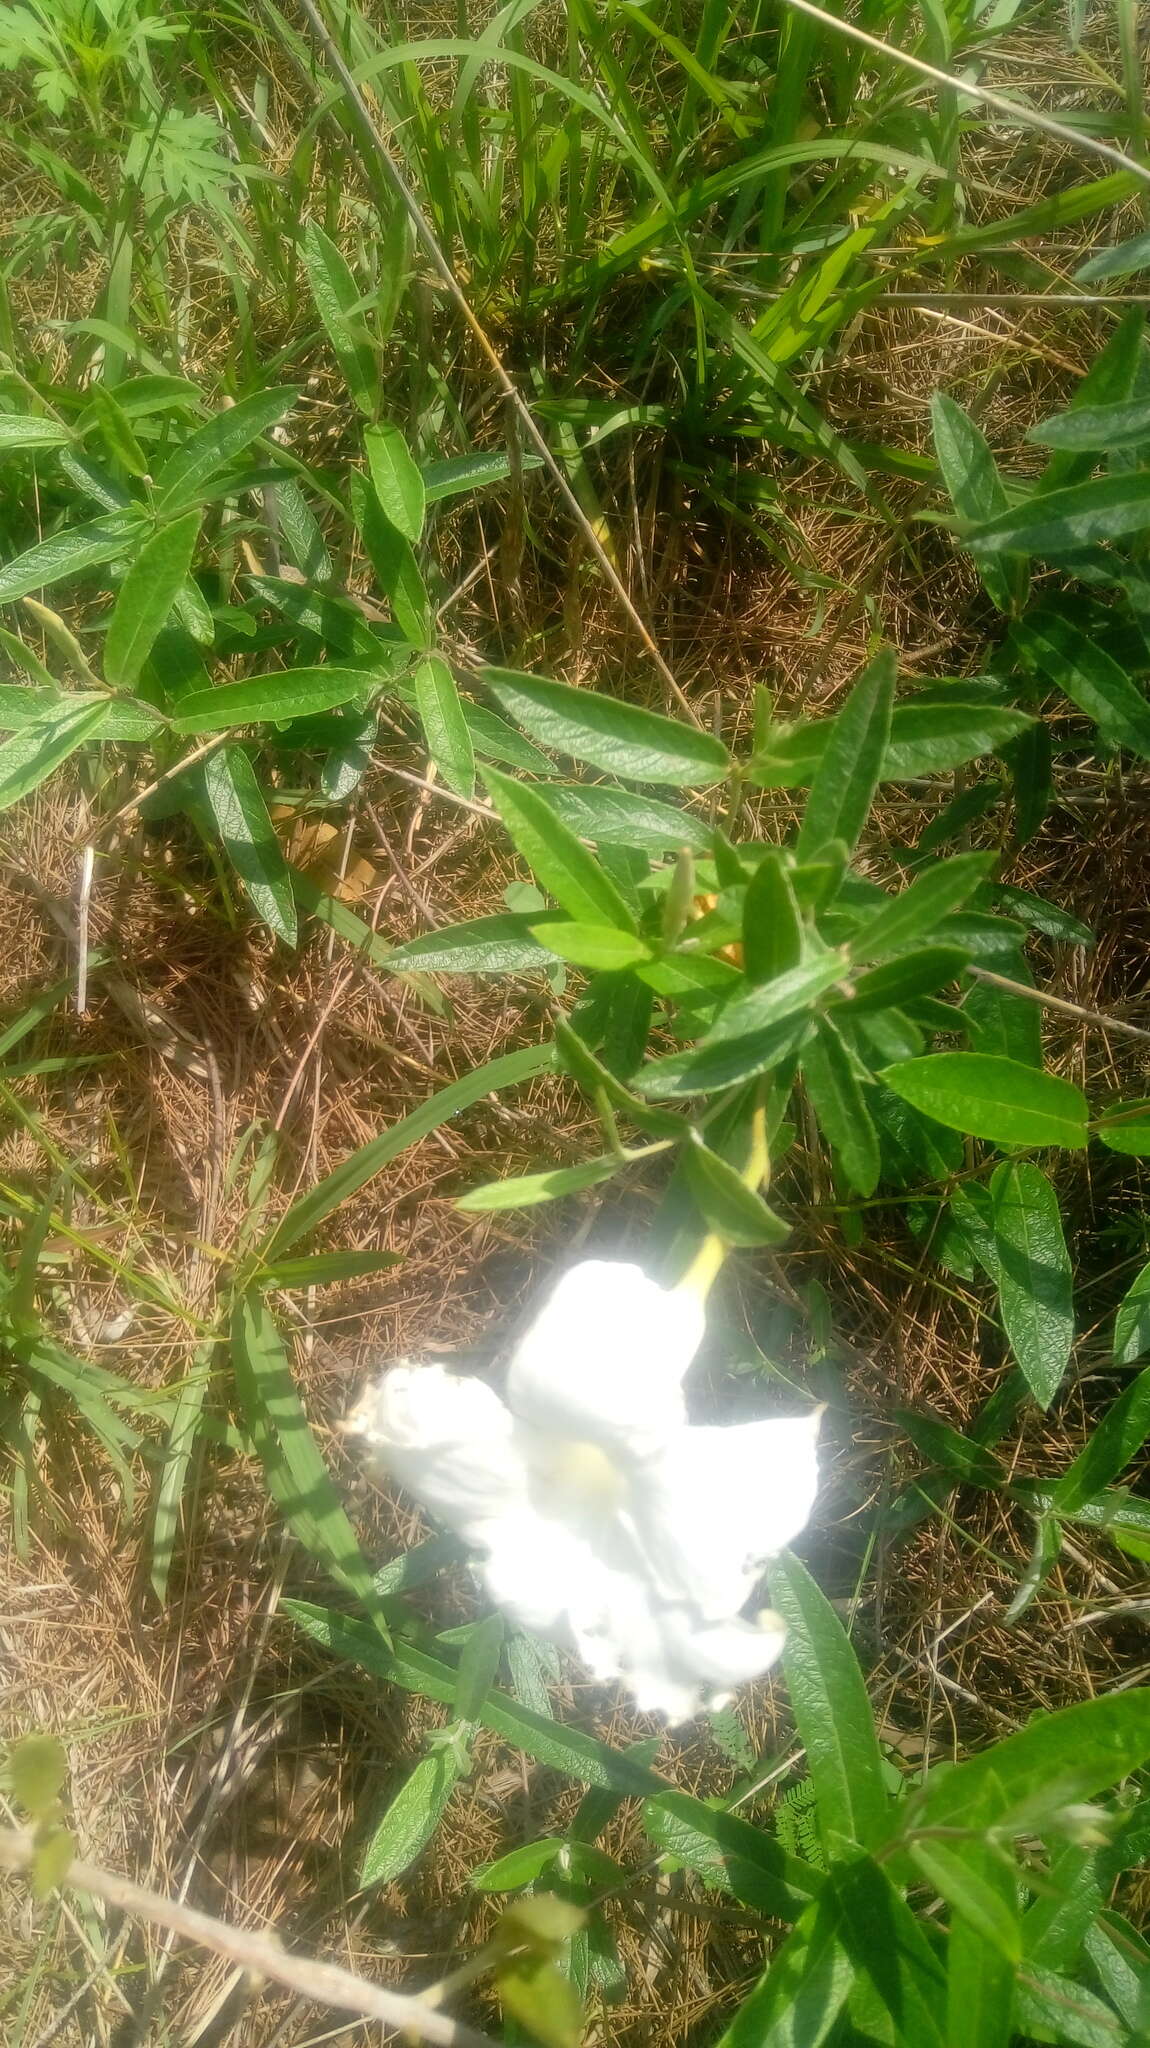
(715, 1504)
(605, 1357)
(449, 1441)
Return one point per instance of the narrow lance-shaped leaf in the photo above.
(993, 1098)
(976, 489)
(397, 482)
(934, 894)
(31, 755)
(336, 296)
(241, 817)
(1035, 1288)
(362, 1166)
(1132, 1323)
(288, 693)
(617, 737)
(772, 927)
(445, 727)
(297, 1476)
(1076, 664)
(839, 1103)
(526, 1191)
(561, 865)
(68, 554)
(145, 598)
(410, 1819)
(186, 474)
(831, 1709)
(394, 563)
(847, 776)
(1117, 1440)
(1066, 521)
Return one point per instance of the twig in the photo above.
(1015, 110)
(83, 908)
(1049, 1002)
(394, 178)
(260, 1954)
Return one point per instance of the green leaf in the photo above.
(336, 296)
(32, 754)
(336, 1188)
(796, 2004)
(394, 563)
(444, 724)
(69, 554)
(956, 1878)
(596, 946)
(640, 745)
(525, 1191)
(474, 472)
(752, 1010)
(273, 699)
(558, 1748)
(410, 1820)
(731, 1855)
(993, 1098)
(984, 1939)
(942, 888)
(597, 1079)
(52, 1859)
(537, 1996)
(1035, 1287)
(297, 1477)
(847, 776)
(1131, 1324)
(168, 1486)
(521, 1866)
(1113, 1445)
(324, 1269)
(728, 1206)
(902, 981)
(1059, 1759)
(1051, 2007)
(618, 817)
(831, 1709)
(35, 1772)
(1091, 678)
(1126, 1129)
(839, 1103)
(1103, 427)
(1067, 521)
(29, 430)
(182, 480)
(561, 865)
(886, 1944)
(478, 1666)
(241, 818)
(395, 479)
(976, 490)
(1124, 260)
(721, 1066)
(483, 945)
(929, 739)
(145, 598)
(772, 926)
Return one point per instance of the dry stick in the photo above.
(1049, 1002)
(1014, 110)
(261, 1954)
(382, 155)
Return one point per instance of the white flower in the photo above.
(602, 1518)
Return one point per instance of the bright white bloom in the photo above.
(602, 1518)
